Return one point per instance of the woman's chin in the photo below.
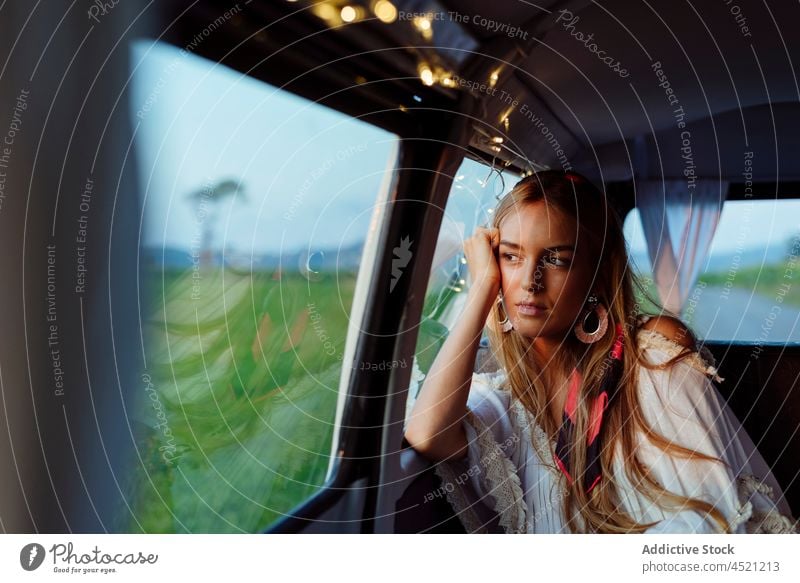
(533, 329)
(528, 329)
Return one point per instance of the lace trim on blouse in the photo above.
(502, 480)
(499, 476)
(702, 359)
(541, 443)
(455, 496)
(522, 419)
(759, 521)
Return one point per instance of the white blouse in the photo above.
(508, 482)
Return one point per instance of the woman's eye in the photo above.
(555, 261)
(509, 257)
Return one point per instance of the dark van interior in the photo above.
(658, 93)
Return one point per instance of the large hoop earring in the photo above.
(594, 323)
(505, 324)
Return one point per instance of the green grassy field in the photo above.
(766, 281)
(229, 440)
(243, 437)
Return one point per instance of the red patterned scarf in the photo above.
(608, 387)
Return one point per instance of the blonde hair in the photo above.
(614, 284)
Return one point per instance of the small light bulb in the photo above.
(385, 11)
(426, 74)
(325, 12)
(423, 25)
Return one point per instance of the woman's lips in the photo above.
(530, 310)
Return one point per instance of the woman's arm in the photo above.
(435, 427)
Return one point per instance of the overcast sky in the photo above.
(198, 120)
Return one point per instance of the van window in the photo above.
(256, 207)
(748, 289)
(476, 191)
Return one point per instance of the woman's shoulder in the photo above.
(670, 328)
(662, 338)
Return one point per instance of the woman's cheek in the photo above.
(507, 278)
(569, 280)
(561, 286)
(556, 280)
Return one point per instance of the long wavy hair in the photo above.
(599, 229)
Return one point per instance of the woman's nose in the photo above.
(534, 281)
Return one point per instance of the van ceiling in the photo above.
(729, 65)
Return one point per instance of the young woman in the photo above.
(600, 418)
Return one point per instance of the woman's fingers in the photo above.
(480, 253)
(495, 235)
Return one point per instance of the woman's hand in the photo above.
(480, 252)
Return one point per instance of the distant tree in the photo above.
(208, 200)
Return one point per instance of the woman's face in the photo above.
(543, 263)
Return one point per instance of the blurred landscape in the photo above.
(252, 433)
